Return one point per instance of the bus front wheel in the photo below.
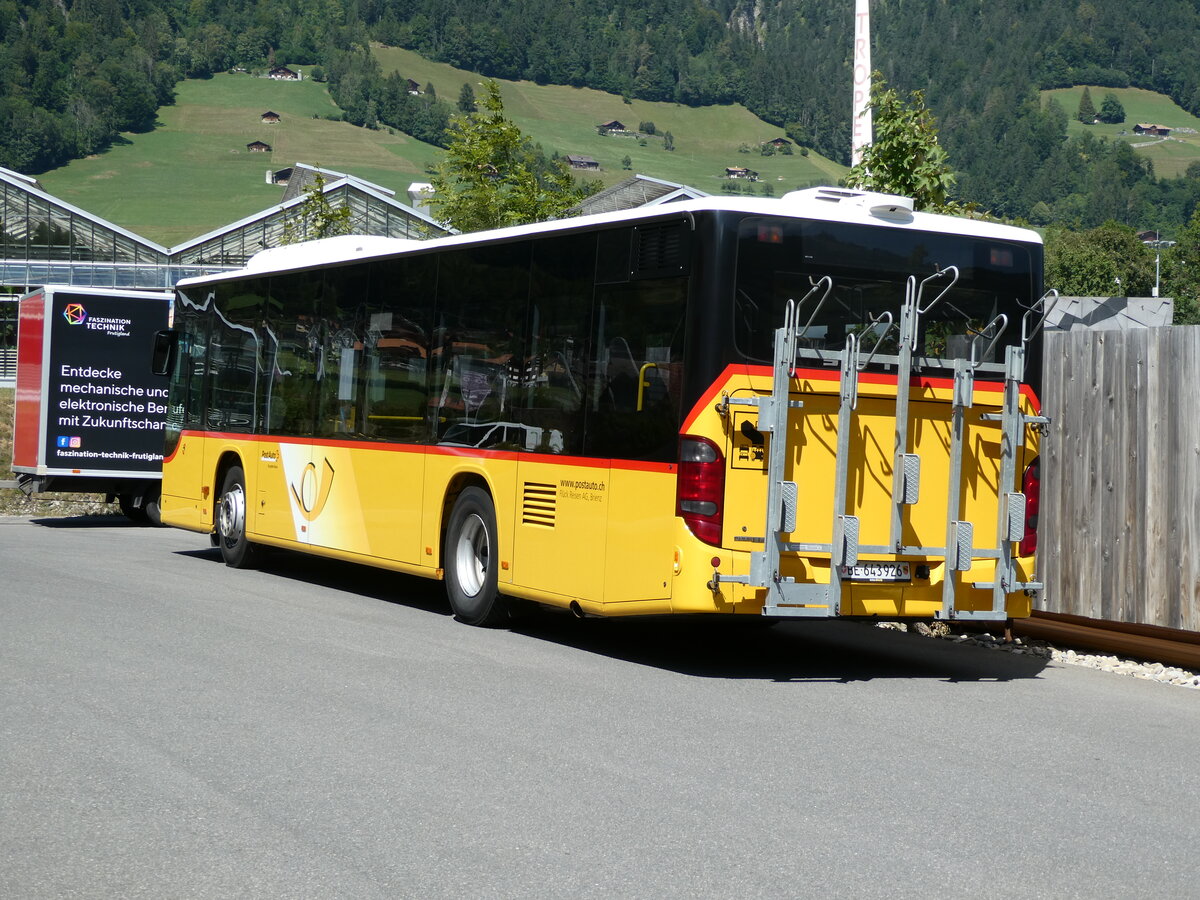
(470, 561)
(236, 549)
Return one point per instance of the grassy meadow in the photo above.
(192, 173)
(1171, 155)
(707, 139)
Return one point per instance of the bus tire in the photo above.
(472, 582)
(236, 549)
(153, 510)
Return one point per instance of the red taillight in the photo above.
(701, 488)
(1031, 484)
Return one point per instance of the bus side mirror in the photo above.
(165, 343)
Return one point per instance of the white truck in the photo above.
(89, 415)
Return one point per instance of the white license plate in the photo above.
(877, 572)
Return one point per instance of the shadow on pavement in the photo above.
(787, 651)
(352, 578)
(113, 521)
(707, 647)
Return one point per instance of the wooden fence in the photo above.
(1119, 529)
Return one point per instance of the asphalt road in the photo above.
(170, 727)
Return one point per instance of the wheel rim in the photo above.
(471, 555)
(231, 519)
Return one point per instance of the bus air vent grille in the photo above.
(539, 504)
(660, 251)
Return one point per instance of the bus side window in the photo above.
(343, 337)
(293, 337)
(236, 358)
(482, 297)
(551, 380)
(187, 381)
(397, 344)
(635, 406)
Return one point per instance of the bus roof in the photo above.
(823, 204)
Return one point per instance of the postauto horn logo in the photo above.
(75, 313)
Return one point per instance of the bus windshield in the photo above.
(869, 267)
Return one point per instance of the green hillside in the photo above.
(192, 173)
(1171, 155)
(564, 119)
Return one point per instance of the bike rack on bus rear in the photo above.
(786, 596)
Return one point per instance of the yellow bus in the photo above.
(815, 405)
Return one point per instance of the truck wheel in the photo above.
(236, 549)
(470, 561)
(131, 510)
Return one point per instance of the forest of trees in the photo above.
(75, 74)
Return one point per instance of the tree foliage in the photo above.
(75, 74)
(1181, 273)
(491, 176)
(316, 216)
(1087, 109)
(1111, 110)
(904, 156)
(1108, 261)
(466, 99)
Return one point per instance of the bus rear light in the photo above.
(1031, 484)
(700, 488)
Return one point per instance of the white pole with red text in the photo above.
(860, 126)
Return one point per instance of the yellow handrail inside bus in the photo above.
(643, 383)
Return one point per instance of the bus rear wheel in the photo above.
(236, 549)
(472, 582)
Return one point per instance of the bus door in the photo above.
(288, 484)
(634, 421)
(560, 523)
(183, 502)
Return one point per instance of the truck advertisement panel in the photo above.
(105, 410)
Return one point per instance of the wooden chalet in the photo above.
(1154, 130)
(258, 147)
(741, 172)
(582, 162)
(283, 73)
(616, 125)
(269, 118)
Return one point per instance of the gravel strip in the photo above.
(1150, 671)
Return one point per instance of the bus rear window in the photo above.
(869, 266)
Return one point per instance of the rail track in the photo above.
(1145, 642)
